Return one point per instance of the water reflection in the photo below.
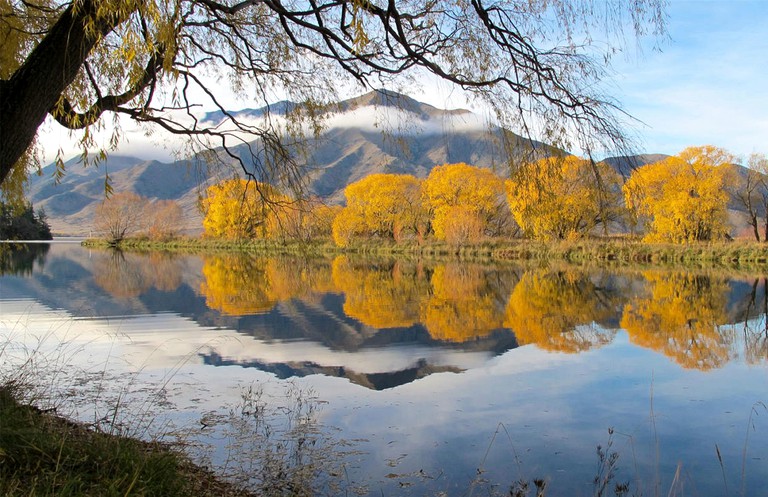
(422, 361)
(559, 310)
(126, 275)
(755, 331)
(681, 316)
(355, 304)
(387, 294)
(466, 303)
(21, 258)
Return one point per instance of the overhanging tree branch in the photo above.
(85, 58)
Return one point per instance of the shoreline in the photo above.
(609, 253)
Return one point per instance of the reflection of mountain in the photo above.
(374, 381)
(322, 315)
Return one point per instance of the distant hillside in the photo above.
(377, 132)
(71, 204)
(626, 164)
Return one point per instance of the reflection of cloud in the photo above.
(168, 340)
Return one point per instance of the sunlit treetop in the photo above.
(537, 63)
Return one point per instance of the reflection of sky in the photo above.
(548, 410)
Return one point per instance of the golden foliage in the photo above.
(557, 311)
(236, 209)
(563, 197)
(384, 205)
(462, 225)
(477, 193)
(682, 198)
(681, 317)
(346, 226)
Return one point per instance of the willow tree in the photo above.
(682, 198)
(157, 62)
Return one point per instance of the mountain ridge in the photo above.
(354, 147)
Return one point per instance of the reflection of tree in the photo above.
(557, 311)
(20, 259)
(384, 295)
(288, 278)
(756, 332)
(681, 318)
(464, 304)
(125, 275)
(236, 284)
(239, 284)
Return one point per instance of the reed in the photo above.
(604, 251)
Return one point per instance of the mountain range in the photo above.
(379, 132)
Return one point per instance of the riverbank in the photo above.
(44, 454)
(613, 252)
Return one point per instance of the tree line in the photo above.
(683, 198)
(23, 222)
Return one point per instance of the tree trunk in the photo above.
(35, 88)
(765, 237)
(753, 222)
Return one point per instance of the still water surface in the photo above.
(422, 377)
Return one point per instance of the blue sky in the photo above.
(705, 86)
(708, 85)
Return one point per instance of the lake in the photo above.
(365, 376)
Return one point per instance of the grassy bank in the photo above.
(43, 454)
(619, 251)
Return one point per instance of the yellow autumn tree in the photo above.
(463, 305)
(303, 219)
(460, 194)
(558, 311)
(564, 197)
(383, 205)
(682, 198)
(237, 209)
(385, 295)
(680, 317)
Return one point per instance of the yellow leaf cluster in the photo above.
(235, 209)
(563, 197)
(682, 198)
(458, 193)
(384, 205)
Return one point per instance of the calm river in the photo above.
(388, 377)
